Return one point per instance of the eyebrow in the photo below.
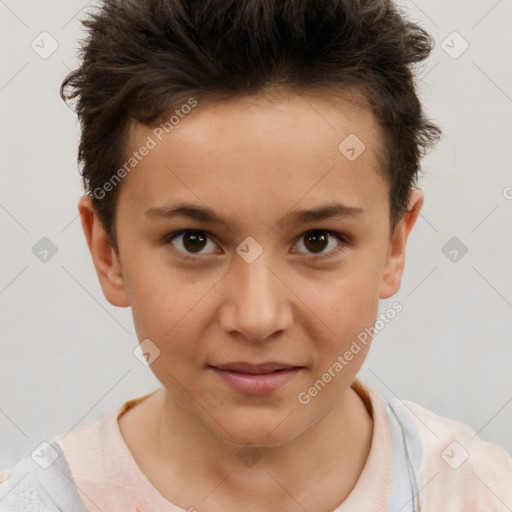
(324, 212)
(187, 210)
(205, 214)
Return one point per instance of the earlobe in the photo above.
(105, 259)
(395, 262)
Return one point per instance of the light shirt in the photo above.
(418, 462)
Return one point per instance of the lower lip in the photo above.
(257, 384)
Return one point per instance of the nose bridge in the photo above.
(256, 304)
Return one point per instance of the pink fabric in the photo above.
(461, 471)
(108, 477)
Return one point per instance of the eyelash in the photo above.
(312, 256)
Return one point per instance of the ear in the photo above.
(394, 266)
(105, 258)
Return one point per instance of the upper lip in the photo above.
(243, 367)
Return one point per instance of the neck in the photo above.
(335, 447)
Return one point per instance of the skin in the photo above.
(253, 162)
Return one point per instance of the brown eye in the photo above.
(316, 241)
(320, 242)
(192, 242)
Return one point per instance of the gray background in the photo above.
(66, 353)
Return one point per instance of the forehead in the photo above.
(255, 149)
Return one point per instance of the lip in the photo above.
(256, 379)
(261, 368)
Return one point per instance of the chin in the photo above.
(259, 430)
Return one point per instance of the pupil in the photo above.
(194, 241)
(313, 239)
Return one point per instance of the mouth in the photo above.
(256, 379)
(255, 369)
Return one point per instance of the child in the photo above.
(221, 141)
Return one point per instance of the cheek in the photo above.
(175, 324)
(163, 296)
(173, 316)
(347, 307)
(346, 302)
(174, 311)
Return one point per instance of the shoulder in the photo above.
(49, 478)
(454, 439)
(41, 481)
(455, 467)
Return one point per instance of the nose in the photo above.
(256, 303)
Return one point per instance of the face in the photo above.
(253, 252)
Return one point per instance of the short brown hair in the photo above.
(143, 58)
